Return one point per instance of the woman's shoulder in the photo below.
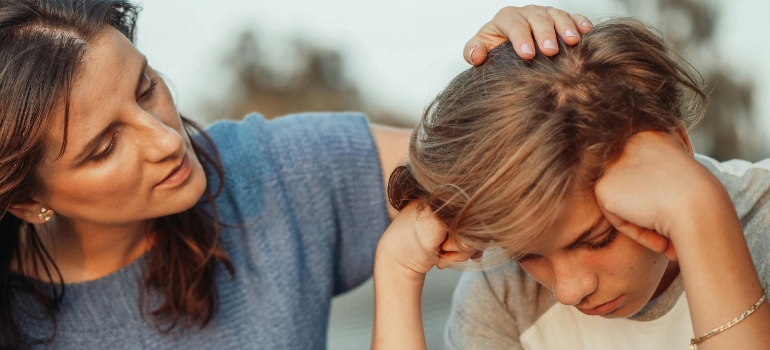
(293, 143)
(309, 179)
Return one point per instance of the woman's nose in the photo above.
(572, 282)
(160, 141)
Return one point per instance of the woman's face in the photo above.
(127, 157)
(590, 265)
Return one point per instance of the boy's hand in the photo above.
(416, 241)
(656, 188)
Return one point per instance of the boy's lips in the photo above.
(601, 309)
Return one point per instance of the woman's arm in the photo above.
(659, 195)
(517, 24)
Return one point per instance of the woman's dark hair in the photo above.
(498, 151)
(42, 43)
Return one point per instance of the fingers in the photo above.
(475, 52)
(516, 28)
(565, 26)
(528, 28)
(657, 243)
(448, 259)
(543, 29)
(508, 24)
(451, 254)
(670, 252)
(548, 22)
(650, 239)
(582, 23)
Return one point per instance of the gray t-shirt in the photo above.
(505, 308)
(307, 197)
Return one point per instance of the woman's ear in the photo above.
(33, 212)
(681, 135)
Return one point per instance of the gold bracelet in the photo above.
(695, 341)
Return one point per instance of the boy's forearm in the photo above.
(397, 307)
(719, 276)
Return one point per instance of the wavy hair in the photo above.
(42, 44)
(504, 144)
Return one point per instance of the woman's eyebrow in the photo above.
(586, 233)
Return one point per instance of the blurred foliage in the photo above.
(729, 129)
(314, 81)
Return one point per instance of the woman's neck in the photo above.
(88, 251)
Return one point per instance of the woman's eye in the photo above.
(106, 152)
(147, 94)
(604, 242)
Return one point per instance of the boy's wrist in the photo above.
(707, 207)
(391, 262)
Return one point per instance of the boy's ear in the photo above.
(33, 212)
(681, 133)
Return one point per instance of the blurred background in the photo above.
(389, 58)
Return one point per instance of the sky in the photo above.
(401, 53)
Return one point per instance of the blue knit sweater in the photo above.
(306, 192)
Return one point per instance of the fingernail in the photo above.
(549, 44)
(587, 24)
(527, 49)
(470, 54)
(570, 34)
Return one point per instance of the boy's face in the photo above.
(590, 265)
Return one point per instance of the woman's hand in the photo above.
(518, 24)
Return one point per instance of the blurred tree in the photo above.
(314, 81)
(729, 129)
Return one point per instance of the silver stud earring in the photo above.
(45, 214)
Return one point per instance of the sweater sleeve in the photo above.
(332, 176)
(308, 191)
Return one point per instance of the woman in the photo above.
(127, 227)
(578, 167)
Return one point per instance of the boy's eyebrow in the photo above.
(586, 233)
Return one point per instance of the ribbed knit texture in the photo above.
(307, 194)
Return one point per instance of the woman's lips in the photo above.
(178, 175)
(602, 309)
